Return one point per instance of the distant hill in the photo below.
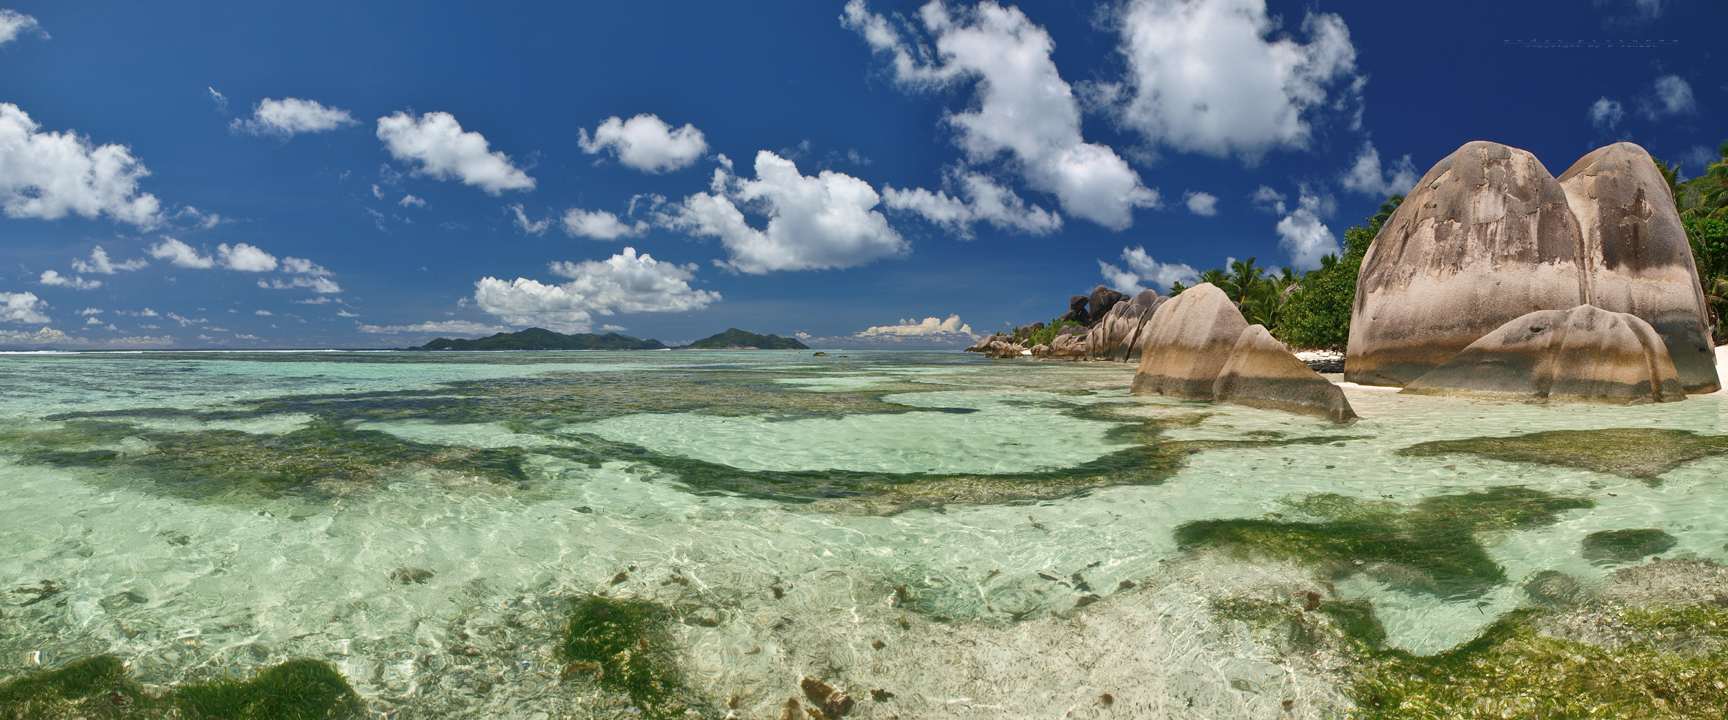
(738, 339)
(542, 339)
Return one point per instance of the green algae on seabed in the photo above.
(624, 645)
(99, 687)
(1514, 670)
(1638, 453)
(1430, 547)
(1625, 545)
(324, 458)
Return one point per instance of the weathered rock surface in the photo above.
(1187, 343)
(1484, 238)
(1071, 345)
(1102, 299)
(998, 346)
(1261, 372)
(1583, 354)
(1040, 350)
(1077, 310)
(1118, 336)
(1638, 258)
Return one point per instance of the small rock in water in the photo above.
(779, 592)
(832, 702)
(620, 577)
(585, 510)
(880, 695)
(1311, 601)
(1107, 699)
(406, 575)
(123, 599)
(1288, 704)
(1086, 600)
(878, 644)
(903, 624)
(782, 623)
(1125, 585)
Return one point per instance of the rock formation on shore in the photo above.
(1262, 373)
(1484, 238)
(1640, 262)
(1199, 347)
(1118, 335)
(1488, 236)
(1582, 354)
(1187, 344)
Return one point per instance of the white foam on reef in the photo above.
(189, 588)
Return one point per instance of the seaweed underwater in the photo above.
(626, 645)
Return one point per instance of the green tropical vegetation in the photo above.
(1309, 309)
(100, 687)
(1703, 206)
(736, 339)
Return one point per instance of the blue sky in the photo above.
(872, 173)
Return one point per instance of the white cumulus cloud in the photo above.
(288, 117)
(1204, 77)
(22, 308)
(409, 201)
(1023, 109)
(50, 277)
(451, 327)
(624, 283)
(1605, 114)
(1368, 178)
(100, 263)
(1670, 96)
(1143, 272)
(646, 143)
(600, 225)
(443, 151)
(14, 23)
(1200, 203)
(245, 258)
(977, 198)
(927, 327)
(46, 175)
(814, 223)
(1302, 234)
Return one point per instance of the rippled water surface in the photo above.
(980, 538)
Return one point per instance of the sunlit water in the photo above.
(708, 480)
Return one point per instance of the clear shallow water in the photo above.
(436, 581)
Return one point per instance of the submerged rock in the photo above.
(1262, 373)
(1640, 453)
(1626, 545)
(1639, 259)
(1187, 343)
(1484, 238)
(1582, 354)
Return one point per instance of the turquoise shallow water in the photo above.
(423, 520)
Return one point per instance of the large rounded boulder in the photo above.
(1584, 354)
(1484, 238)
(1187, 343)
(1262, 373)
(1638, 258)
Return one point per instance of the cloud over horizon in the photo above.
(624, 283)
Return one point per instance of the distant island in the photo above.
(543, 339)
(735, 339)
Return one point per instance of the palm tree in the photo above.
(1222, 282)
(1245, 276)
